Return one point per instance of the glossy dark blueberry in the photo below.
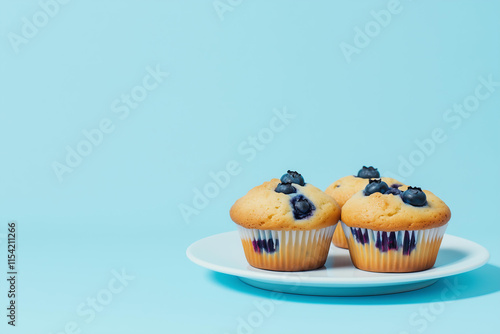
(394, 191)
(285, 188)
(368, 173)
(293, 177)
(414, 196)
(268, 246)
(375, 186)
(302, 207)
(396, 185)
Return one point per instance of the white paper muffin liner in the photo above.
(399, 251)
(286, 250)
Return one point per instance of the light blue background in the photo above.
(120, 207)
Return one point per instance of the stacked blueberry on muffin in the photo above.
(286, 224)
(342, 190)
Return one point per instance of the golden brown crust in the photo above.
(342, 189)
(263, 208)
(389, 213)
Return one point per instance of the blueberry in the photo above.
(375, 186)
(394, 191)
(293, 177)
(285, 188)
(302, 207)
(368, 173)
(414, 196)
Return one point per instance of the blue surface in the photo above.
(232, 68)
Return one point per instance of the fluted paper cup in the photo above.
(286, 250)
(399, 251)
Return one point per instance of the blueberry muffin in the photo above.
(342, 189)
(286, 224)
(394, 229)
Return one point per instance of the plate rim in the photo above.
(481, 257)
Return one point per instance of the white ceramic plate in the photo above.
(223, 253)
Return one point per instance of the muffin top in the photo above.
(286, 204)
(342, 189)
(383, 208)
